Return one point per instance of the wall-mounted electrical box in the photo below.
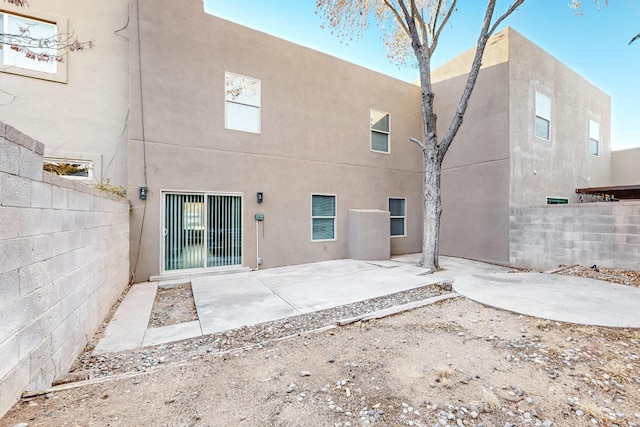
(259, 217)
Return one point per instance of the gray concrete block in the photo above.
(9, 288)
(9, 157)
(59, 197)
(34, 276)
(16, 191)
(31, 222)
(40, 195)
(40, 355)
(31, 165)
(9, 354)
(632, 239)
(620, 249)
(13, 384)
(15, 254)
(9, 222)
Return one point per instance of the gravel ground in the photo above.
(451, 364)
(146, 358)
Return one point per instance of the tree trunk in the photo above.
(432, 209)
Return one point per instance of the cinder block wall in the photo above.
(64, 260)
(605, 234)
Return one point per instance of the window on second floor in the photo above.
(594, 138)
(28, 43)
(242, 103)
(543, 117)
(380, 130)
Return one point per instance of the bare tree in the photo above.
(412, 30)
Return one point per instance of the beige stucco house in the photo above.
(242, 150)
(228, 123)
(248, 151)
(77, 108)
(534, 132)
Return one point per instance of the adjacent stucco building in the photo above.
(534, 132)
(77, 108)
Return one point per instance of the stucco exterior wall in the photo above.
(605, 234)
(315, 135)
(83, 118)
(625, 167)
(477, 166)
(63, 264)
(554, 168)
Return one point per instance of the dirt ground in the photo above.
(453, 363)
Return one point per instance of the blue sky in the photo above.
(595, 44)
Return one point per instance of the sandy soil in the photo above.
(453, 363)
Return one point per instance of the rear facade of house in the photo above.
(251, 150)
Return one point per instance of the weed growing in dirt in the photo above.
(592, 409)
(490, 400)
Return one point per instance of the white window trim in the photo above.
(597, 140)
(536, 115)
(62, 27)
(78, 161)
(404, 231)
(371, 129)
(259, 106)
(161, 255)
(334, 217)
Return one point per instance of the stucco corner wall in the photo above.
(64, 255)
(624, 167)
(605, 234)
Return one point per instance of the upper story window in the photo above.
(32, 46)
(323, 217)
(594, 138)
(242, 103)
(543, 116)
(398, 214)
(380, 131)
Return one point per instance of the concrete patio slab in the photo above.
(129, 323)
(172, 333)
(228, 302)
(555, 297)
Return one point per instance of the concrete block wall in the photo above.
(64, 260)
(605, 234)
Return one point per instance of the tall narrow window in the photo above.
(28, 43)
(242, 103)
(543, 116)
(323, 217)
(594, 138)
(398, 213)
(379, 131)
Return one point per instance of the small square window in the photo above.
(323, 217)
(398, 214)
(594, 138)
(380, 130)
(242, 103)
(543, 117)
